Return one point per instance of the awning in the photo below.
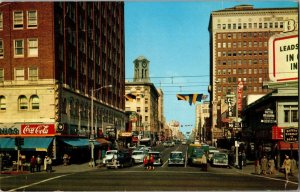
(37, 143)
(7, 144)
(287, 146)
(103, 141)
(78, 142)
(30, 144)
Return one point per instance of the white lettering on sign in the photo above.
(39, 130)
(283, 57)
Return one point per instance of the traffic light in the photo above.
(21, 141)
(17, 141)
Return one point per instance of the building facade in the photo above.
(239, 54)
(146, 101)
(52, 55)
(202, 114)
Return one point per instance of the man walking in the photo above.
(38, 163)
(287, 166)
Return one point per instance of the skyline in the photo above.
(174, 37)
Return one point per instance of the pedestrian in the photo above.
(152, 161)
(45, 163)
(244, 158)
(38, 163)
(49, 164)
(293, 166)
(32, 164)
(66, 159)
(287, 166)
(256, 166)
(271, 164)
(264, 165)
(146, 161)
(240, 160)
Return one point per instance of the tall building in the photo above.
(146, 101)
(202, 114)
(53, 56)
(239, 52)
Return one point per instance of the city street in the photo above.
(136, 178)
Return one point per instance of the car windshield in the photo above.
(137, 153)
(176, 155)
(219, 155)
(110, 152)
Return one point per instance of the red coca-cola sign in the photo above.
(37, 129)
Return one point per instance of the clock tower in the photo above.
(141, 69)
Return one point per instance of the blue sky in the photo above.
(174, 37)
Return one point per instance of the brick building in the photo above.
(52, 55)
(239, 54)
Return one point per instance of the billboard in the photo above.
(283, 57)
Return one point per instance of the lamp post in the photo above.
(92, 134)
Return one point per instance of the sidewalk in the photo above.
(250, 169)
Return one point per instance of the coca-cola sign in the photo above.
(37, 129)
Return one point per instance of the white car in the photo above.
(176, 158)
(138, 156)
(211, 152)
(109, 155)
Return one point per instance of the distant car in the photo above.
(157, 158)
(138, 156)
(183, 142)
(120, 160)
(219, 159)
(169, 144)
(109, 155)
(176, 158)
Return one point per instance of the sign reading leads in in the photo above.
(290, 135)
(283, 57)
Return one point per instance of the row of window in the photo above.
(244, 62)
(245, 79)
(19, 47)
(241, 71)
(291, 113)
(19, 74)
(33, 103)
(31, 19)
(265, 25)
(248, 88)
(239, 44)
(250, 35)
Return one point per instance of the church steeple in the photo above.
(141, 69)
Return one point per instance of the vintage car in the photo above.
(219, 159)
(120, 160)
(109, 155)
(157, 158)
(138, 156)
(176, 158)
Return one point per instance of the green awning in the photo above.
(30, 144)
(7, 144)
(78, 142)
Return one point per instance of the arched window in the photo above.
(35, 102)
(23, 102)
(2, 103)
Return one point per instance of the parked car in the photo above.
(120, 160)
(169, 144)
(157, 158)
(211, 152)
(138, 156)
(109, 155)
(219, 159)
(176, 158)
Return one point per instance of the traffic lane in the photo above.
(168, 179)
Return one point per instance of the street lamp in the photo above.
(92, 135)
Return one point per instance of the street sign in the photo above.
(290, 135)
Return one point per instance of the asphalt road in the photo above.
(136, 178)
